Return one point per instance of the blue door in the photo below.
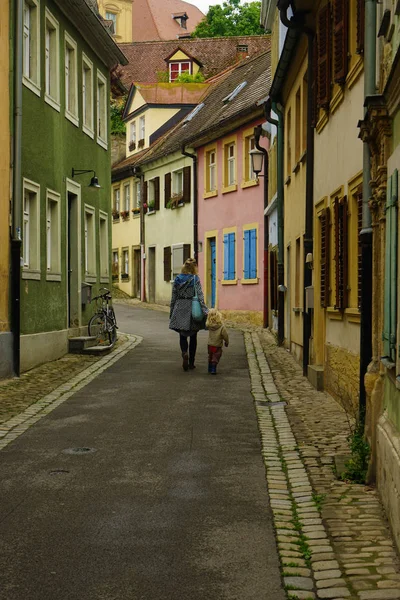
(213, 271)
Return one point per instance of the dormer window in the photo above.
(176, 68)
(181, 19)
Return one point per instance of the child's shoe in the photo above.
(213, 369)
(185, 362)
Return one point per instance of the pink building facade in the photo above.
(231, 225)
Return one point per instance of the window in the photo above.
(31, 55)
(153, 191)
(304, 117)
(297, 141)
(323, 64)
(103, 238)
(52, 61)
(324, 220)
(115, 264)
(116, 202)
(180, 253)
(211, 171)
(132, 136)
(390, 286)
(31, 230)
(340, 40)
(110, 16)
(125, 262)
(288, 142)
(249, 144)
(53, 237)
(177, 183)
(229, 256)
(142, 131)
(235, 92)
(102, 110)
(127, 197)
(177, 68)
(250, 254)
(71, 80)
(87, 96)
(297, 286)
(229, 165)
(341, 252)
(90, 249)
(137, 195)
(242, 48)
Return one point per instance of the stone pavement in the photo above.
(333, 537)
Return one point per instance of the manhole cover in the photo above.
(58, 472)
(79, 450)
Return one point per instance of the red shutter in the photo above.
(167, 189)
(340, 39)
(324, 56)
(359, 257)
(156, 181)
(324, 270)
(186, 252)
(167, 263)
(186, 184)
(360, 26)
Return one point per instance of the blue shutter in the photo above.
(390, 288)
(226, 256)
(253, 253)
(232, 270)
(247, 254)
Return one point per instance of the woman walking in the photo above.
(180, 316)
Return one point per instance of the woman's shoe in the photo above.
(191, 363)
(185, 362)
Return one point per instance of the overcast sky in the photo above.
(203, 5)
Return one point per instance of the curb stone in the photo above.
(18, 424)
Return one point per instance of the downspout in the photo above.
(308, 244)
(366, 231)
(142, 240)
(195, 202)
(257, 131)
(17, 189)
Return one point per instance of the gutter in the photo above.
(257, 131)
(16, 234)
(195, 201)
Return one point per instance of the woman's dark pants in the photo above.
(191, 345)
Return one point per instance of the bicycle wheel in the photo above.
(102, 328)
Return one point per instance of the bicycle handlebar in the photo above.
(106, 295)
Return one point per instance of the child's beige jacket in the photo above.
(217, 335)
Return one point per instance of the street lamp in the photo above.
(257, 160)
(94, 182)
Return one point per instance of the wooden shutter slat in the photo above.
(253, 254)
(314, 85)
(167, 189)
(360, 26)
(340, 40)
(167, 263)
(387, 286)
(232, 266)
(186, 252)
(324, 56)
(247, 254)
(156, 193)
(345, 253)
(186, 184)
(324, 270)
(337, 251)
(226, 256)
(359, 227)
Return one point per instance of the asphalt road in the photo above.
(171, 504)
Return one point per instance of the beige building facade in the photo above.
(119, 13)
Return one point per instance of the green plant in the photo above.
(188, 78)
(151, 205)
(162, 76)
(318, 500)
(357, 465)
(117, 124)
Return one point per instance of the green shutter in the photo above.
(390, 289)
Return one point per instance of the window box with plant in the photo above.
(141, 143)
(125, 214)
(132, 146)
(175, 201)
(115, 215)
(136, 211)
(124, 276)
(151, 206)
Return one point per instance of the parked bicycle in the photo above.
(103, 324)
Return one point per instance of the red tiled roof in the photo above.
(153, 20)
(172, 93)
(146, 59)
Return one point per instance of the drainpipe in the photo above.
(280, 209)
(257, 135)
(366, 231)
(308, 244)
(17, 189)
(195, 202)
(142, 240)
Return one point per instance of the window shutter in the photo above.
(144, 192)
(340, 39)
(345, 253)
(324, 56)
(359, 257)
(231, 253)
(167, 263)
(156, 193)
(273, 280)
(186, 252)
(360, 26)
(341, 253)
(186, 184)
(324, 272)
(390, 289)
(226, 256)
(253, 254)
(167, 189)
(247, 254)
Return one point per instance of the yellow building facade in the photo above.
(120, 13)
(5, 148)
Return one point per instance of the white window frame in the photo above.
(31, 46)
(176, 269)
(31, 232)
(132, 132)
(71, 79)
(53, 236)
(137, 200)
(212, 170)
(177, 175)
(115, 254)
(90, 242)
(231, 164)
(103, 239)
(52, 61)
(251, 146)
(87, 97)
(102, 112)
(127, 197)
(151, 195)
(180, 63)
(142, 127)
(114, 20)
(125, 261)
(117, 199)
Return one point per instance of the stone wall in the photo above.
(388, 472)
(341, 377)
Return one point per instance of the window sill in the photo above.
(296, 167)
(229, 188)
(71, 117)
(322, 122)
(151, 212)
(90, 278)
(297, 310)
(334, 313)
(229, 282)
(88, 131)
(336, 100)
(353, 315)
(52, 102)
(31, 274)
(250, 183)
(210, 194)
(249, 281)
(31, 85)
(303, 157)
(102, 143)
(355, 73)
(53, 276)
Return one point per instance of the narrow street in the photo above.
(169, 502)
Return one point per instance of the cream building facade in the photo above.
(119, 12)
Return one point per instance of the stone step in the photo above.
(78, 344)
(98, 349)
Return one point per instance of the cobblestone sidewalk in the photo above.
(333, 537)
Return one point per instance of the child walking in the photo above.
(217, 335)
